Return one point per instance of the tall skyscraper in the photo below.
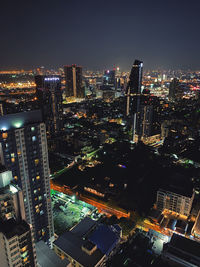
(49, 94)
(133, 92)
(109, 81)
(23, 150)
(16, 239)
(73, 79)
(175, 92)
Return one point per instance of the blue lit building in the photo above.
(23, 150)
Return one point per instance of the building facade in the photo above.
(49, 94)
(180, 204)
(74, 80)
(133, 92)
(16, 238)
(16, 242)
(23, 150)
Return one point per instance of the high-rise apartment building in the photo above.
(73, 79)
(16, 244)
(175, 201)
(23, 150)
(49, 94)
(16, 238)
(133, 92)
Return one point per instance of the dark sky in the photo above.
(98, 34)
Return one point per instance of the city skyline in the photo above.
(100, 35)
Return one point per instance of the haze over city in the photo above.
(99, 34)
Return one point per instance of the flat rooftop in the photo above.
(72, 246)
(83, 227)
(178, 184)
(11, 228)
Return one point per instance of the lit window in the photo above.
(4, 135)
(12, 159)
(15, 177)
(33, 138)
(19, 153)
(38, 177)
(32, 129)
(36, 161)
(24, 249)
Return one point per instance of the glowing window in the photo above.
(36, 161)
(32, 129)
(33, 138)
(4, 135)
(38, 177)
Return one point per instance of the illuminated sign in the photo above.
(52, 79)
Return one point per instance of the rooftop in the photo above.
(179, 184)
(105, 237)
(89, 234)
(19, 120)
(83, 227)
(11, 228)
(72, 246)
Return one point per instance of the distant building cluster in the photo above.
(120, 152)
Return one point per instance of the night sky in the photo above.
(98, 34)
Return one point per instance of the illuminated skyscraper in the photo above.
(23, 150)
(49, 94)
(73, 79)
(109, 81)
(133, 92)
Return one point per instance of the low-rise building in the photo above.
(88, 244)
